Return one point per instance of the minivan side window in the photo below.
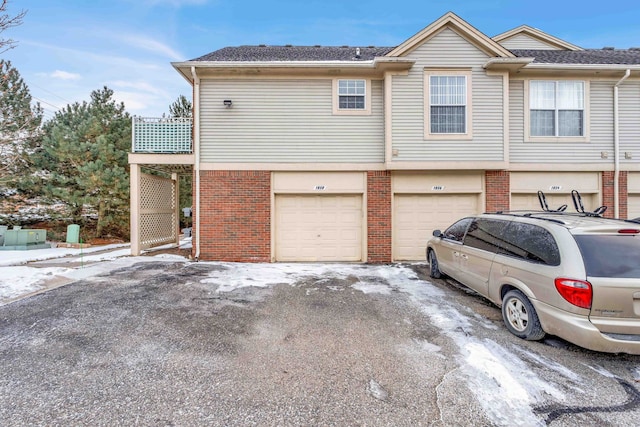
(457, 230)
(531, 243)
(485, 234)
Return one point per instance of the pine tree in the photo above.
(84, 161)
(181, 107)
(20, 122)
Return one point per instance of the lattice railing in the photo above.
(161, 135)
(158, 215)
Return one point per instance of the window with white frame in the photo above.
(448, 104)
(352, 94)
(556, 108)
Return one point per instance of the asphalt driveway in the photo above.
(179, 343)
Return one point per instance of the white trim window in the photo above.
(448, 104)
(352, 94)
(557, 108)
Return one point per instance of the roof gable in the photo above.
(460, 26)
(536, 36)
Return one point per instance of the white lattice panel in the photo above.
(152, 135)
(158, 217)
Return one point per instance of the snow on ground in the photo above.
(8, 258)
(503, 384)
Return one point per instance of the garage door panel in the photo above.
(318, 228)
(633, 206)
(417, 215)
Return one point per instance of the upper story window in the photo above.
(557, 108)
(447, 100)
(351, 96)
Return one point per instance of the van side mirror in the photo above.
(437, 233)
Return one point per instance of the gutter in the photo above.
(196, 150)
(616, 145)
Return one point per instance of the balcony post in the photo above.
(134, 185)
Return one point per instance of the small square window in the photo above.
(351, 94)
(351, 97)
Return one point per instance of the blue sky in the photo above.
(66, 49)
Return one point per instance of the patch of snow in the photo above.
(372, 288)
(8, 258)
(17, 281)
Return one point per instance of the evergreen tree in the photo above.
(181, 107)
(19, 125)
(84, 161)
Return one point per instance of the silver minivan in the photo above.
(570, 275)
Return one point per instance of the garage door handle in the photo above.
(456, 254)
(465, 257)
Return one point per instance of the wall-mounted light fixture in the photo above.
(228, 103)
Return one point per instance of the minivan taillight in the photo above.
(577, 292)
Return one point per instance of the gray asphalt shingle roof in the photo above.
(294, 53)
(587, 56)
(265, 53)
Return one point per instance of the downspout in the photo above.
(616, 146)
(196, 151)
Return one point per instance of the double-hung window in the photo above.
(448, 104)
(557, 108)
(351, 97)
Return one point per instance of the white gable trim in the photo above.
(537, 35)
(461, 27)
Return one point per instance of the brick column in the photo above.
(379, 216)
(498, 189)
(235, 216)
(608, 194)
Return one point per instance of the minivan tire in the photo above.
(434, 270)
(520, 317)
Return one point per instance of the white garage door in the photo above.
(318, 228)
(417, 215)
(633, 206)
(554, 201)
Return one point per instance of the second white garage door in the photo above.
(417, 215)
(318, 228)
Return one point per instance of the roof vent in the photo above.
(357, 53)
(262, 45)
(316, 45)
(344, 46)
(608, 48)
(634, 49)
(288, 45)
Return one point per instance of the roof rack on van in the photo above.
(545, 207)
(577, 203)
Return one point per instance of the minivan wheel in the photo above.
(434, 271)
(520, 316)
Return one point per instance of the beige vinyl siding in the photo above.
(523, 41)
(447, 50)
(629, 102)
(601, 130)
(286, 120)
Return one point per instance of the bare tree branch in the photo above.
(8, 21)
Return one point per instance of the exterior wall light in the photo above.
(228, 103)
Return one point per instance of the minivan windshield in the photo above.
(616, 256)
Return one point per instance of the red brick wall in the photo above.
(498, 189)
(379, 216)
(608, 194)
(236, 216)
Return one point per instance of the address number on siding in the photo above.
(437, 188)
(320, 187)
(555, 188)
